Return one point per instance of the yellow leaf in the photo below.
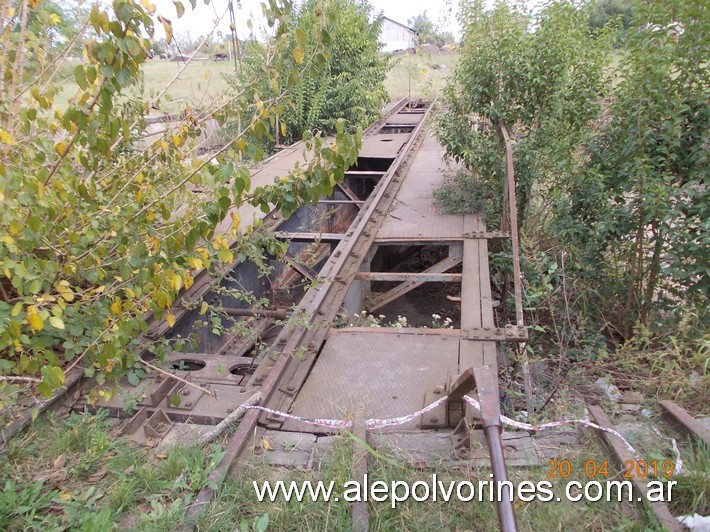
(16, 309)
(267, 444)
(264, 113)
(204, 308)
(196, 263)
(54, 19)
(170, 319)
(150, 8)
(176, 282)
(163, 145)
(225, 256)
(36, 322)
(6, 138)
(207, 74)
(60, 148)
(56, 322)
(298, 55)
(65, 496)
(235, 219)
(189, 280)
(116, 308)
(149, 216)
(177, 140)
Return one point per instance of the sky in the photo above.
(200, 21)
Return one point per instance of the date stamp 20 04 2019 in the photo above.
(632, 469)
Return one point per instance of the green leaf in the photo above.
(179, 8)
(80, 77)
(56, 322)
(133, 379)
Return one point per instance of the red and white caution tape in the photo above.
(393, 422)
(526, 426)
(330, 423)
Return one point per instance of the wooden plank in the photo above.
(622, 454)
(685, 420)
(409, 276)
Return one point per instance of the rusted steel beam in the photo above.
(486, 378)
(513, 211)
(364, 173)
(510, 333)
(9, 431)
(407, 276)
(320, 303)
(455, 257)
(309, 237)
(346, 190)
(262, 313)
(357, 203)
(304, 270)
(691, 425)
(361, 515)
(623, 455)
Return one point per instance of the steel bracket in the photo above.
(461, 439)
(439, 417)
(489, 235)
(188, 396)
(511, 333)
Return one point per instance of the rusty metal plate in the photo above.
(386, 374)
(413, 214)
(405, 118)
(385, 146)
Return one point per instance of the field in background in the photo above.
(419, 76)
(199, 82)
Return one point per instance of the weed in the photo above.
(462, 193)
(692, 493)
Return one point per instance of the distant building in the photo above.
(395, 36)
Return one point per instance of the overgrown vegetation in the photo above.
(610, 159)
(339, 44)
(463, 193)
(74, 473)
(99, 225)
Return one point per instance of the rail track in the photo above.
(347, 254)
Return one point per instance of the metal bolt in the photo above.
(230, 410)
(290, 388)
(188, 404)
(435, 420)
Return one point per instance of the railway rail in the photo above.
(348, 253)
